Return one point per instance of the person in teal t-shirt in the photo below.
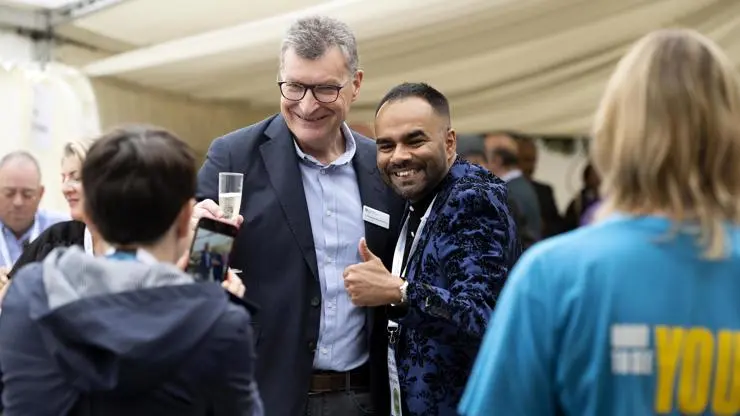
(637, 314)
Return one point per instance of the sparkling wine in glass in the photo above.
(230, 193)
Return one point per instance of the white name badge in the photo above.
(395, 385)
(373, 216)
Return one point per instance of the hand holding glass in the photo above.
(230, 194)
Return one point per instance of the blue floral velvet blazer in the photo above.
(455, 275)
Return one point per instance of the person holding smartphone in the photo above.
(128, 333)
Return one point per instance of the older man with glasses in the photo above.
(311, 192)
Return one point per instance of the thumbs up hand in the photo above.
(369, 283)
(365, 252)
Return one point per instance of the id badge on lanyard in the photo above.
(5, 252)
(393, 328)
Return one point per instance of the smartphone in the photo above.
(211, 250)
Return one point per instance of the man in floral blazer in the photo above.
(454, 253)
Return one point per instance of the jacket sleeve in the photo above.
(472, 256)
(236, 393)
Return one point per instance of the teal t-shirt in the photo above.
(614, 319)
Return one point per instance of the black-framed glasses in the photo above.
(295, 91)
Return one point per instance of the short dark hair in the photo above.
(436, 99)
(508, 158)
(588, 170)
(136, 181)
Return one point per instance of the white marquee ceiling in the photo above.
(536, 66)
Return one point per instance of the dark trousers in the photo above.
(344, 403)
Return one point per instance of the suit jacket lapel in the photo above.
(281, 163)
(372, 194)
(372, 189)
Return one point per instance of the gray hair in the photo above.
(311, 37)
(20, 155)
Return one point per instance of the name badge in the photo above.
(373, 216)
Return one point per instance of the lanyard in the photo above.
(401, 247)
(7, 261)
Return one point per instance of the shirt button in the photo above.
(315, 301)
(323, 171)
(328, 213)
(324, 351)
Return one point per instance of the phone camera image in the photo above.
(209, 255)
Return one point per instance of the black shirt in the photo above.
(414, 213)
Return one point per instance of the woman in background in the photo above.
(638, 313)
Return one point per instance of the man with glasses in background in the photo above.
(311, 192)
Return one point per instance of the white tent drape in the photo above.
(538, 66)
(40, 110)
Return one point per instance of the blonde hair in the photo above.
(666, 136)
(77, 149)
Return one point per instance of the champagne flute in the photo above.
(230, 194)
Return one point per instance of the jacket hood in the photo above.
(121, 324)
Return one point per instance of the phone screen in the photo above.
(210, 251)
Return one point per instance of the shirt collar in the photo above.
(139, 255)
(8, 233)
(343, 159)
(510, 176)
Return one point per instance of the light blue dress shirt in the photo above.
(335, 211)
(14, 245)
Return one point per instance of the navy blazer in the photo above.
(275, 251)
(455, 275)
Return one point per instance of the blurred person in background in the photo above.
(584, 201)
(551, 220)
(475, 153)
(470, 148)
(503, 161)
(311, 191)
(638, 313)
(128, 333)
(21, 220)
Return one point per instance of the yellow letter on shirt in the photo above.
(668, 343)
(696, 371)
(726, 398)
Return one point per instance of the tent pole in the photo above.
(79, 10)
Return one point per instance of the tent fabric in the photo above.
(532, 66)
